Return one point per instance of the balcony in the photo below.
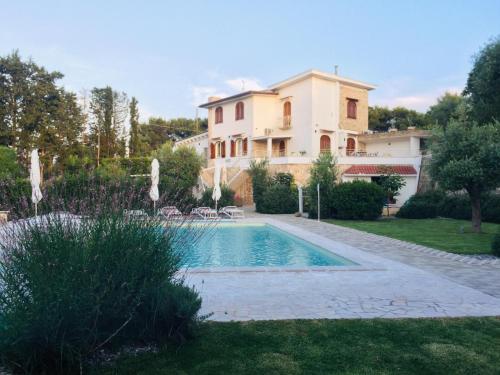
(285, 122)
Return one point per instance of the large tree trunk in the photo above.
(476, 212)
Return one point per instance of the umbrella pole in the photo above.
(36, 209)
(154, 207)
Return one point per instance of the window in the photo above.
(223, 149)
(287, 114)
(324, 144)
(218, 115)
(233, 148)
(351, 146)
(282, 148)
(352, 108)
(212, 151)
(240, 111)
(245, 146)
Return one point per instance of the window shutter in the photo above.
(212, 151)
(245, 146)
(223, 149)
(233, 153)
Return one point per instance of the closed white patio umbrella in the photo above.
(216, 194)
(155, 180)
(35, 178)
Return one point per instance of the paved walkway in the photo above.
(392, 281)
(485, 278)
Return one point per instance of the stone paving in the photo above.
(392, 281)
(483, 276)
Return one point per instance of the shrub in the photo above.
(358, 200)
(455, 206)
(260, 181)
(226, 199)
(69, 288)
(279, 199)
(491, 209)
(495, 245)
(422, 206)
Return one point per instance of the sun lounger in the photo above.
(135, 213)
(204, 213)
(232, 212)
(170, 212)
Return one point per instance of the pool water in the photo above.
(256, 245)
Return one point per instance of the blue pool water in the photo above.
(256, 245)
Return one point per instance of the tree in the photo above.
(134, 143)
(324, 173)
(483, 84)
(9, 168)
(446, 109)
(34, 112)
(383, 118)
(390, 182)
(467, 157)
(158, 131)
(109, 110)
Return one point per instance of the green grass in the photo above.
(454, 236)
(409, 346)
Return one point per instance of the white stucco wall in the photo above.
(392, 147)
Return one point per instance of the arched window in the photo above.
(287, 114)
(351, 146)
(282, 149)
(352, 108)
(240, 111)
(218, 115)
(324, 144)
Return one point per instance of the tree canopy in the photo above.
(483, 84)
(467, 157)
(446, 109)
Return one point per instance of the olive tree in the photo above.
(467, 157)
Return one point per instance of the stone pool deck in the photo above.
(392, 281)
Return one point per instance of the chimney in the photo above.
(213, 98)
(336, 70)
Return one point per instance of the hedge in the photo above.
(453, 206)
(421, 206)
(358, 200)
(279, 199)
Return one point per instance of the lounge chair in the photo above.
(232, 212)
(170, 212)
(204, 213)
(135, 213)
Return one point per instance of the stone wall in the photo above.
(360, 123)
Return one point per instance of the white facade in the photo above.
(295, 120)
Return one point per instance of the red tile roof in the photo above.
(375, 169)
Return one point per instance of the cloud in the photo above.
(244, 84)
(418, 101)
(200, 94)
(222, 88)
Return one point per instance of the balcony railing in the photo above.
(286, 122)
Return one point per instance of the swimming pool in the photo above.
(256, 245)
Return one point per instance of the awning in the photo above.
(374, 170)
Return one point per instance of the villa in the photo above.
(291, 122)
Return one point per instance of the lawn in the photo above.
(454, 236)
(409, 346)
